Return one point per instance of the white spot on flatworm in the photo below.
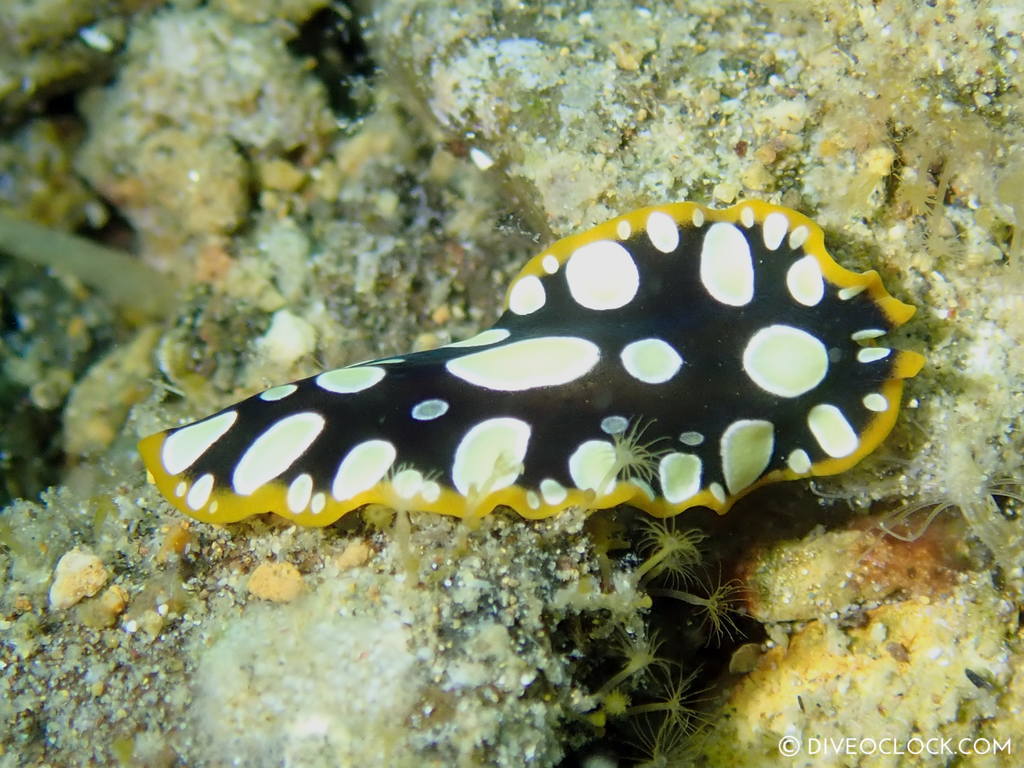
(407, 483)
(490, 336)
(718, 492)
(798, 236)
(691, 438)
(545, 361)
(785, 361)
(651, 361)
(362, 468)
(299, 493)
(799, 461)
(602, 275)
(746, 448)
(623, 230)
(867, 333)
(490, 455)
(747, 216)
(200, 493)
(275, 450)
(614, 425)
(550, 264)
(277, 393)
(872, 354)
(805, 282)
(183, 447)
(591, 464)
(316, 506)
(431, 491)
(774, 229)
(428, 410)
(845, 294)
(679, 475)
(697, 217)
(876, 401)
(726, 267)
(662, 231)
(527, 295)
(346, 381)
(553, 491)
(832, 431)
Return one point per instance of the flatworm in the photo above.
(676, 356)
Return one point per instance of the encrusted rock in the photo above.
(79, 574)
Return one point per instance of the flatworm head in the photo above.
(676, 356)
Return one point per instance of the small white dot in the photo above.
(278, 393)
(407, 483)
(200, 492)
(718, 492)
(799, 461)
(553, 491)
(614, 425)
(623, 230)
(662, 231)
(299, 493)
(876, 402)
(747, 216)
(774, 229)
(550, 264)
(428, 410)
(431, 491)
(691, 438)
(319, 502)
(527, 295)
(181, 488)
(866, 334)
(798, 237)
(845, 294)
(697, 217)
(872, 354)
